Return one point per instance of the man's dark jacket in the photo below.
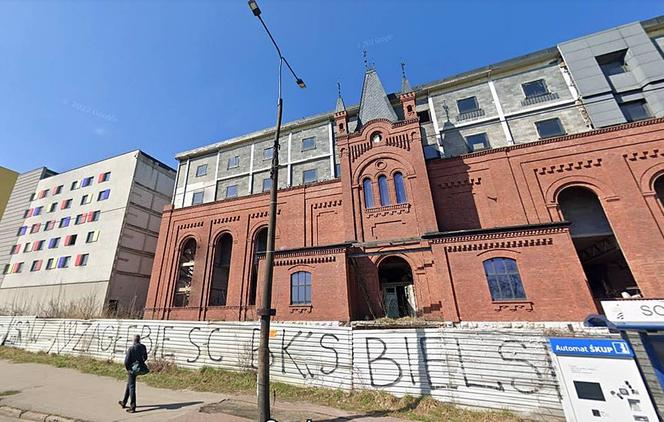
(136, 353)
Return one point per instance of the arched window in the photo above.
(504, 280)
(399, 188)
(185, 274)
(300, 288)
(659, 189)
(368, 193)
(260, 246)
(384, 191)
(221, 270)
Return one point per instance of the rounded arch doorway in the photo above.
(396, 285)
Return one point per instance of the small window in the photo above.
(64, 222)
(82, 260)
(92, 236)
(86, 182)
(53, 207)
(63, 261)
(74, 185)
(104, 177)
(86, 199)
(43, 193)
(384, 191)
(477, 142)
(197, 198)
(612, 63)
(549, 128)
(635, 110)
(267, 153)
(103, 195)
(32, 197)
(80, 219)
(234, 162)
(50, 264)
(201, 170)
(27, 213)
(35, 228)
(53, 243)
(27, 247)
(337, 170)
(308, 143)
(94, 215)
(37, 211)
(424, 116)
(535, 88)
(400, 188)
(367, 189)
(15, 249)
(309, 176)
(22, 230)
(18, 267)
(70, 240)
(6, 268)
(36, 265)
(38, 245)
(267, 184)
(301, 288)
(504, 280)
(231, 191)
(58, 190)
(467, 105)
(49, 225)
(65, 204)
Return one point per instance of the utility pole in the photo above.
(265, 310)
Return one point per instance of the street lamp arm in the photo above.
(298, 81)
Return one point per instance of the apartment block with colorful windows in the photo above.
(86, 236)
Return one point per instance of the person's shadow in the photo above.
(168, 406)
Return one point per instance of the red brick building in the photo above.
(534, 232)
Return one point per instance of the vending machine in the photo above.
(599, 381)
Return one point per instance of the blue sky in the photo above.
(84, 80)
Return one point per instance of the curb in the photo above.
(30, 415)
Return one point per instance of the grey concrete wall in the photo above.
(511, 93)
(523, 127)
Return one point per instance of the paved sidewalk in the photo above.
(69, 393)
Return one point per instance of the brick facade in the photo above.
(458, 213)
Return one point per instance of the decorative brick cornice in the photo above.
(304, 260)
(190, 225)
(327, 204)
(578, 165)
(504, 244)
(461, 183)
(513, 306)
(644, 155)
(224, 220)
(499, 233)
(262, 214)
(397, 209)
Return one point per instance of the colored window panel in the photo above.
(301, 288)
(103, 195)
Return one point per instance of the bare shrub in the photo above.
(160, 365)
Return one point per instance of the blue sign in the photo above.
(591, 347)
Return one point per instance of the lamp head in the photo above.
(254, 7)
(300, 83)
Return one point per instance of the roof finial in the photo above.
(405, 85)
(339, 88)
(340, 101)
(366, 62)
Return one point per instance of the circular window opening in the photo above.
(376, 137)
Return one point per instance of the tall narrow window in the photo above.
(221, 270)
(260, 245)
(384, 191)
(504, 280)
(185, 274)
(368, 193)
(301, 288)
(399, 188)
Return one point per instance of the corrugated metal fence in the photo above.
(499, 369)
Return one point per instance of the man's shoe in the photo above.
(122, 405)
(131, 410)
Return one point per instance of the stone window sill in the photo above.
(300, 309)
(512, 305)
(388, 209)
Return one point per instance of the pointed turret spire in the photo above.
(405, 85)
(340, 101)
(374, 103)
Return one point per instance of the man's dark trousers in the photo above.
(130, 390)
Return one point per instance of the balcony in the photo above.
(473, 114)
(538, 99)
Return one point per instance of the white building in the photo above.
(88, 236)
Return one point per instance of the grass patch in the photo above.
(8, 393)
(167, 375)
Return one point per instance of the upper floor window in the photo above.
(400, 188)
(33, 196)
(424, 116)
(103, 195)
(234, 162)
(549, 128)
(308, 143)
(201, 170)
(635, 110)
(267, 184)
(49, 225)
(94, 215)
(309, 176)
(612, 63)
(367, 189)
(53, 207)
(534, 88)
(53, 243)
(82, 260)
(231, 191)
(86, 199)
(80, 219)
(337, 170)
(104, 177)
(74, 185)
(384, 191)
(466, 105)
(504, 280)
(43, 193)
(301, 288)
(36, 265)
(477, 142)
(86, 181)
(197, 198)
(63, 261)
(57, 190)
(65, 204)
(267, 153)
(92, 236)
(37, 211)
(22, 230)
(64, 222)
(70, 239)
(35, 228)
(27, 213)
(50, 264)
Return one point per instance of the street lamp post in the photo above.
(265, 311)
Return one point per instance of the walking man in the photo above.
(135, 365)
